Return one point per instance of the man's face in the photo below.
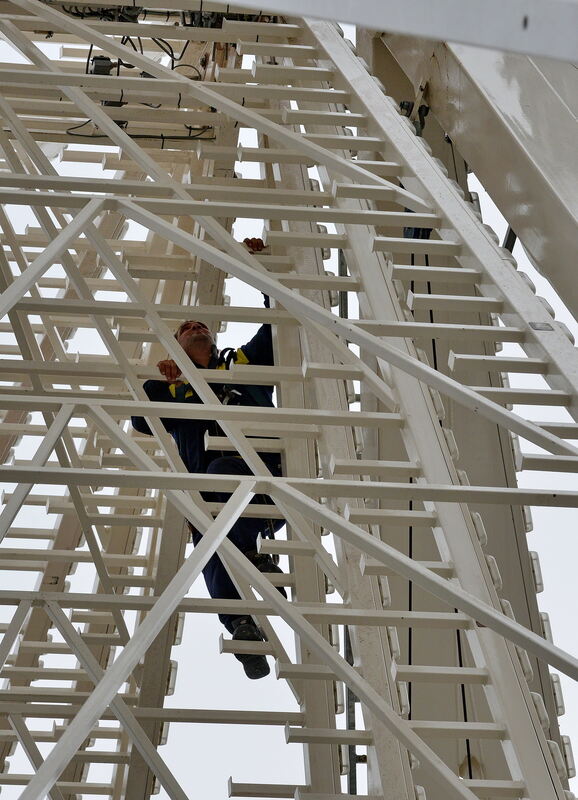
(194, 337)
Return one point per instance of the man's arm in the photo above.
(259, 349)
(157, 391)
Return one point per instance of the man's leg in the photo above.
(244, 535)
(244, 628)
(218, 581)
(245, 531)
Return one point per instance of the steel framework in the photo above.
(394, 415)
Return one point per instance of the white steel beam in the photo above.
(481, 114)
(172, 207)
(301, 306)
(81, 289)
(429, 580)
(219, 233)
(544, 338)
(52, 253)
(210, 97)
(13, 629)
(422, 576)
(536, 27)
(198, 381)
(132, 288)
(249, 414)
(317, 613)
(64, 446)
(121, 29)
(199, 513)
(213, 227)
(124, 714)
(30, 748)
(116, 675)
(39, 459)
(191, 481)
(382, 711)
(148, 164)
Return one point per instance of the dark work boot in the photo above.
(255, 666)
(264, 563)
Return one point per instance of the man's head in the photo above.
(196, 340)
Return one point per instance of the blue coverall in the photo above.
(189, 435)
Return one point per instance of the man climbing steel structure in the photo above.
(189, 434)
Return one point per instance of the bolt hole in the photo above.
(525, 23)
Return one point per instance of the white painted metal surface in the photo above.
(529, 106)
(441, 668)
(520, 26)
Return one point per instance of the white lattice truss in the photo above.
(360, 413)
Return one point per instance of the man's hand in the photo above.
(254, 245)
(169, 370)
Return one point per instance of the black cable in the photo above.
(410, 555)
(203, 129)
(91, 48)
(464, 704)
(132, 44)
(184, 50)
(158, 137)
(237, 121)
(76, 127)
(432, 320)
(151, 12)
(453, 159)
(166, 48)
(410, 608)
(190, 66)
